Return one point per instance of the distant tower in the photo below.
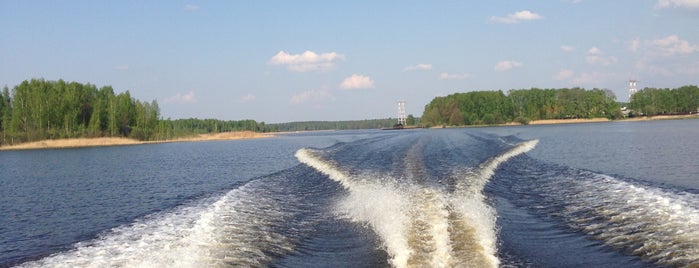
(401, 113)
(632, 88)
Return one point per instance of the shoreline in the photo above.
(568, 121)
(120, 141)
(599, 120)
(587, 120)
(243, 135)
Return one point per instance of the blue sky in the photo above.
(281, 61)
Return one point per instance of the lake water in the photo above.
(622, 194)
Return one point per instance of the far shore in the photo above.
(114, 141)
(590, 120)
(567, 121)
(597, 120)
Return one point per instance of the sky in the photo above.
(285, 61)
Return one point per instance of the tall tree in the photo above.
(5, 113)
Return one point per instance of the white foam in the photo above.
(384, 208)
(148, 242)
(469, 201)
(421, 226)
(657, 225)
(233, 229)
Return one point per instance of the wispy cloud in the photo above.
(190, 7)
(597, 56)
(182, 98)
(690, 4)
(517, 17)
(507, 65)
(357, 81)
(648, 66)
(312, 96)
(594, 78)
(673, 45)
(307, 61)
(121, 68)
(247, 98)
(634, 45)
(564, 74)
(567, 48)
(418, 67)
(448, 76)
(665, 56)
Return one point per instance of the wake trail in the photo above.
(422, 226)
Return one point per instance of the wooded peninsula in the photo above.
(39, 110)
(524, 105)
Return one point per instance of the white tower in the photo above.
(632, 88)
(401, 113)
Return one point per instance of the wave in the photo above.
(659, 225)
(422, 225)
(248, 226)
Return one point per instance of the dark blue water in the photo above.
(589, 195)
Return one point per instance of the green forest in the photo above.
(655, 101)
(524, 105)
(38, 109)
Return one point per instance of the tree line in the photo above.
(38, 109)
(656, 101)
(341, 125)
(522, 105)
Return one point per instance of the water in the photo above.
(589, 195)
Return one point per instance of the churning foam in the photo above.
(655, 224)
(233, 229)
(423, 226)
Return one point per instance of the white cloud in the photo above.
(182, 98)
(634, 45)
(564, 74)
(516, 17)
(306, 61)
(507, 65)
(313, 96)
(448, 76)
(596, 56)
(691, 4)
(673, 45)
(247, 98)
(594, 78)
(567, 48)
(666, 56)
(190, 7)
(121, 68)
(357, 82)
(648, 67)
(419, 67)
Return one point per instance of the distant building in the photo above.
(632, 88)
(401, 113)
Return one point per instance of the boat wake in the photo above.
(252, 226)
(660, 226)
(422, 225)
